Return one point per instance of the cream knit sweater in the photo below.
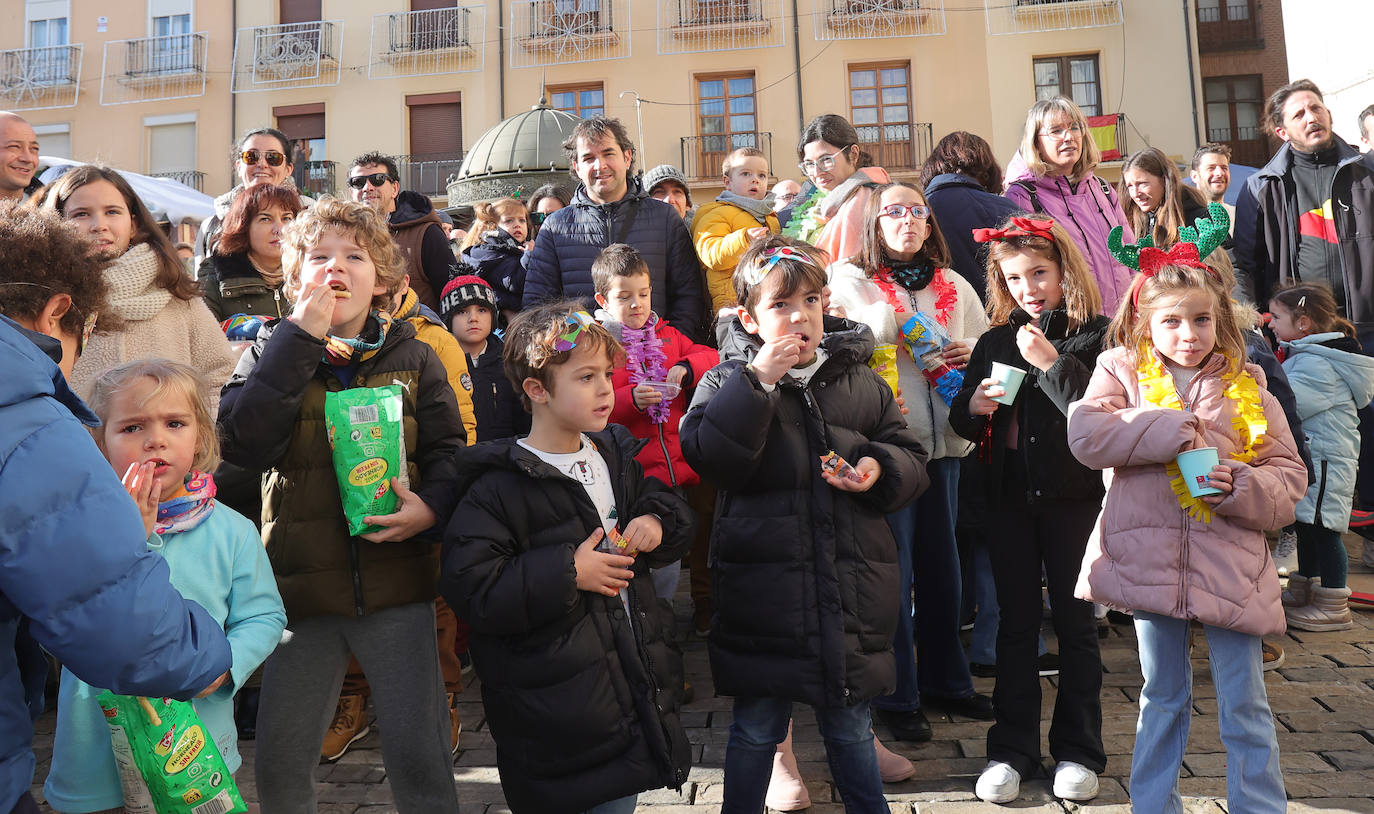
(157, 325)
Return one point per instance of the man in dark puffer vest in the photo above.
(610, 207)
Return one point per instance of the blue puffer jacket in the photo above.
(962, 205)
(74, 562)
(560, 264)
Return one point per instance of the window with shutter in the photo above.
(300, 11)
(436, 142)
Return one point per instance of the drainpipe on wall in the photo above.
(796, 65)
(1192, 80)
(233, 103)
(501, 54)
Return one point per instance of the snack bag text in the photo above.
(364, 430)
(926, 340)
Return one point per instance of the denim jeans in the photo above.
(1254, 783)
(760, 724)
(929, 656)
(624, 805)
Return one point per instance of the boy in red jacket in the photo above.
(660, 363)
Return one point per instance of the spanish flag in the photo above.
(1103, 130)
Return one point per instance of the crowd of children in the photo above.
(807, 468)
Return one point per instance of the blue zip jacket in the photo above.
(73, 560)
(962, 205)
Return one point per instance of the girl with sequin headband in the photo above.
(1039, 504)
(1176, 380)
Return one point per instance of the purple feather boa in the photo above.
(644, 360)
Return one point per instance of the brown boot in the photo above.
(1329, 610)
(350, 724)
(786, 791)
(1299, 592)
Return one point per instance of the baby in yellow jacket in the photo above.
(724, 228)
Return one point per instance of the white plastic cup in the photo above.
(1009, 378)
(1196, 465)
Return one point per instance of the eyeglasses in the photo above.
(822, 163)
(898, 211)
(274, 158)
(376, 179)
(1059, 132)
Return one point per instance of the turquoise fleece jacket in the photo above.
(222, 565)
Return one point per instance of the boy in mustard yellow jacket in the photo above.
(724, 228)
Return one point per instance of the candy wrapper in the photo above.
(613, 543)
(927, 340)
(832, 463)
(242, 327)
(884, 363)
(168, 762)
(364, 428)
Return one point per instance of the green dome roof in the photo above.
(526, 142)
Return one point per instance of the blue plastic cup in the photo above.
(1009, 379)
(1196, 465)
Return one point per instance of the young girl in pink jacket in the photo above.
(1176, 380)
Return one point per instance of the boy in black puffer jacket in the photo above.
(804, 565)
(580, 682)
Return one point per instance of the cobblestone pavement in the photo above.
(1322, 698)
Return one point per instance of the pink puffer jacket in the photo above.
(1146, 553)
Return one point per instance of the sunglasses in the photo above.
(898, 211)
(274, 158)
(537, 218)
(376, 179)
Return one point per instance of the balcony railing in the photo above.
(1233, 28)
(557, 32)
(897, 146)
(875, 19)
(1024, 16)
(699, 26)
(33, 78)
(428, 173)
(195, 179)
(428, 42)
(1248, 145)
(140, 70)
(290, 55)
(702, 156)
(315, 178)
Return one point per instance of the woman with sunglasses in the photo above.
(903, 269)
(1053, 173)
(160, 307)
(545, 201)
(831, 217)
(262, 156)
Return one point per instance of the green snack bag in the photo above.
(364, 429)
(168, 762)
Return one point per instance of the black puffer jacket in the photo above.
(804, 575)
(582, 705)
(500, 261)
(1041, 410)
(498, 408)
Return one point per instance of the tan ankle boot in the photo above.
(1299, 591)
(1329, 610)
(892, 767)
(786, 791)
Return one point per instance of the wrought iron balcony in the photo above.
(873, 19)
(1023, 16)
(33, 78)
(315, 178)
(141, 70)
(428, 42)
(897, 146)
(692, 26)
(195, 179)
(555, 32)
(702, 156)
(428, 173)
(1248, 145)
(290, 55)
(1232, 25)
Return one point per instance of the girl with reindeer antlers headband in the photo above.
(1176, 380)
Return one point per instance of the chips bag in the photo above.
(834, 464)
(884, 363)
(364, 429)
(926, 341)
(168, 762)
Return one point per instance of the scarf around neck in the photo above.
(836, 197)
(644, 360)
(760, 209)
(134, 294)
(273, 277)
(189, 506)
(339, 351)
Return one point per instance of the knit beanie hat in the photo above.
(666, 172)
(468, 289)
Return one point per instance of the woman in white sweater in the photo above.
(903, 269)
(158, 305)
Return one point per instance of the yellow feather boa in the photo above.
(1249, 421)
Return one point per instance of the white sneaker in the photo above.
(1286, 553)
(1074, 781)
(999, 783)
